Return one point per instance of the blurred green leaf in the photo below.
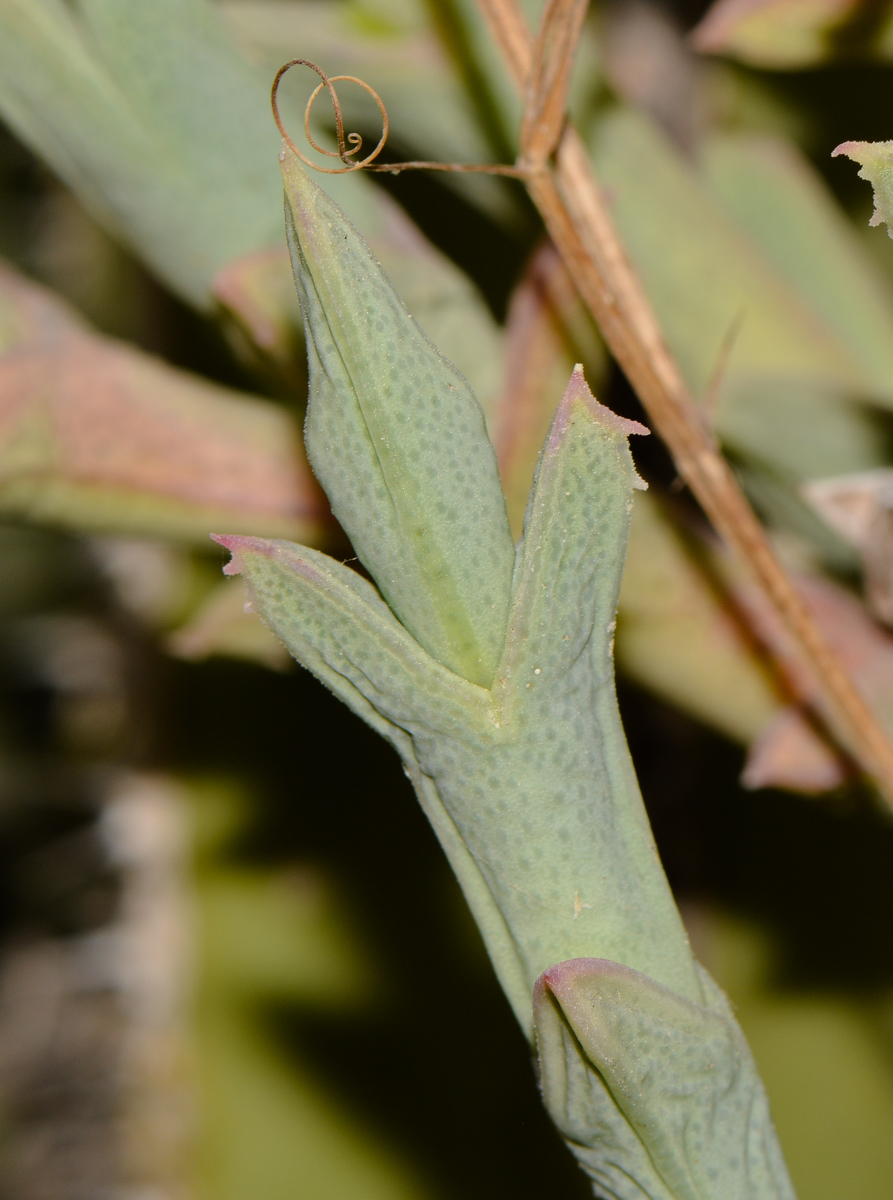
(791, 34)
(703, 273)
(822, 1053)
(163, 129)
(395, 48)
(678, 635)
(785, 206)
(548, 331)
(95, 435)
(151, 115)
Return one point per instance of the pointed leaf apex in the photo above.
(237, 544)
(562, 979)
(578, 390)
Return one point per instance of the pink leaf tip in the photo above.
(843, 148)
(237, 544)
(578, 389)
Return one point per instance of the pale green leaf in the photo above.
(398, 441)
(530, 787)
(703, 273)
(660, 1096)
(776, 374)
(154, 119)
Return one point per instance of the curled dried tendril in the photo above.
(350, 144)
(354, 139)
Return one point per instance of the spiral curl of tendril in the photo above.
(352, 139)
(350, 144)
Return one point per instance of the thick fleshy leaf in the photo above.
(659, 1096)
(678, 633)
(577, 787)
(542, 761)
(568, 574)
(335, 623)
(95, 435)
(398, 441)
(440, 297)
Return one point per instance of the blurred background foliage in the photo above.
(233, 962)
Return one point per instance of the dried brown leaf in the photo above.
(863, 647)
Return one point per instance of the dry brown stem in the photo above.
(549, 79)
(573, 209)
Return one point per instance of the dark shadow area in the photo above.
(817, 872)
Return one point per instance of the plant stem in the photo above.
(571, 204)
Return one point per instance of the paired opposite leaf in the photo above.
(528, 782)
(398, 441)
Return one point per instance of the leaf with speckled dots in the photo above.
(398, 441)
(660, 1096)
(335, 623)
(533, 775)
(876, 160)
(577, 516)
(531, 790)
